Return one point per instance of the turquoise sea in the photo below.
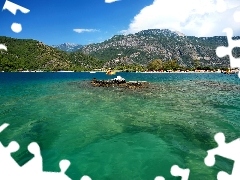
(111, 133)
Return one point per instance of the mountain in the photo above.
(28, 54)
(146, 45)
(68, 47)
(124, 52)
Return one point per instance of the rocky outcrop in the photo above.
(119, 82)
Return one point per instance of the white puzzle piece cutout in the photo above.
(7, 164)
(159, 178)
(34, 166)
(177, 171)
(2, 46)
(12, 7)
(222, 51)
(16, 27)
(5, 125)
(227, 150)
(33, 169)
(85, 178)
(64, 165)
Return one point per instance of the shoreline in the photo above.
(101, 72)
(145, 72)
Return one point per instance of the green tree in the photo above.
(155, 65)
(171, 65)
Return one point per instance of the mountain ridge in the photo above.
(68, 47)
(146, 45)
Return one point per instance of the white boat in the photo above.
(92, 71)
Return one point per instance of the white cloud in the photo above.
(191, 17)
(85, 30)
(111, 1)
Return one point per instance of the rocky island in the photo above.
(119, 82)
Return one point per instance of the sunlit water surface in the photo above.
(113, 133)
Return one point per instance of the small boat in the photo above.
(92, 72)
(110, 72)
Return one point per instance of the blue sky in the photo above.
(91, 21)
(53, 21)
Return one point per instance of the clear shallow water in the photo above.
(108, 133)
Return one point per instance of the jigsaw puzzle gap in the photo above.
(12, 7)
(16, 27)
(159, 178)
(64, 165)
(33, 168)
(177, 171)
(2, 46)
(34, 165)
(88, 178)
(224, 51)
(5, 125)
(226, 150)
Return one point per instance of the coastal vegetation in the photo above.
(159, 65)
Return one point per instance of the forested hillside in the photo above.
(25, 54)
